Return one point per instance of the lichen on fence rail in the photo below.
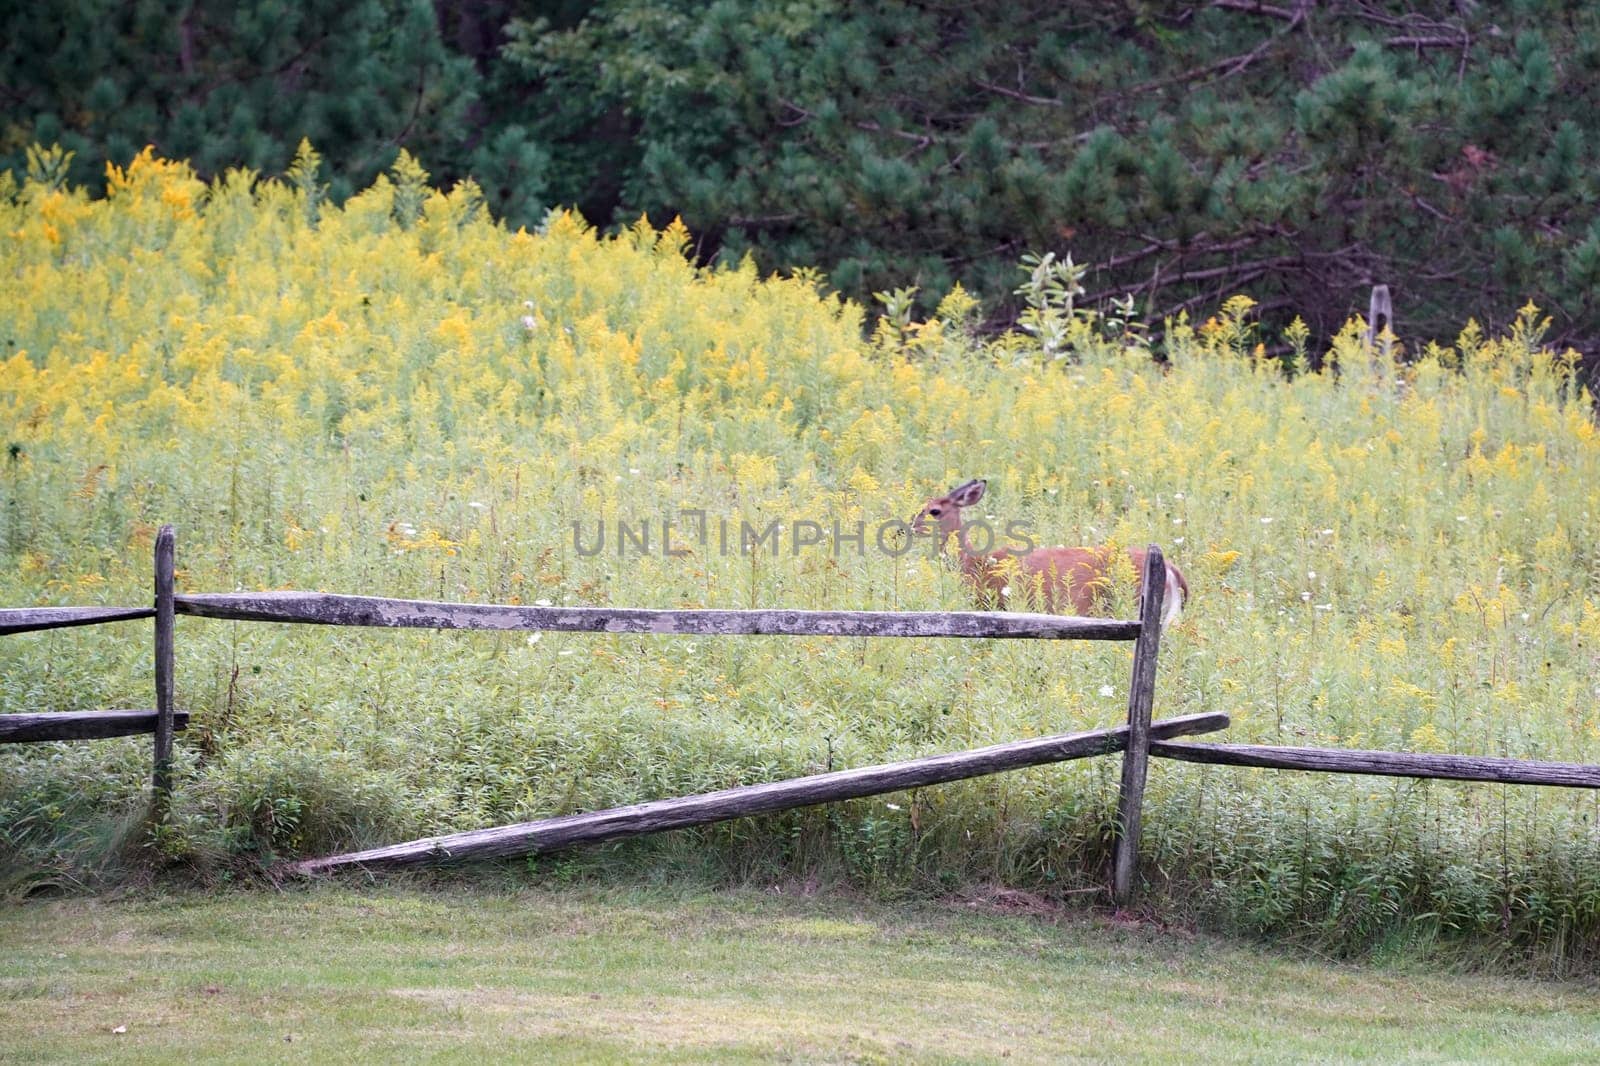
(316, 608)
(1386, 763)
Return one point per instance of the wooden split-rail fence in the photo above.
(1140, 739)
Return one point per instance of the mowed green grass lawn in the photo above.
(584, 974)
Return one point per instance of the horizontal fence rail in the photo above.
(317, 608)
(32, 619)
(80, 725)
(549, 834)
(1385, 763)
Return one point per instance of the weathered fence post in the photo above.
(161, 781)
(1141, 697)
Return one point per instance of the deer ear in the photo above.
(968, 494)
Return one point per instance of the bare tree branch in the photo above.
(1253, 7)
(1044, 101)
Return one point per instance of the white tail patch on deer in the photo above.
(1172, 602)
(1054, 579)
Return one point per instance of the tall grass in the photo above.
(387, 400)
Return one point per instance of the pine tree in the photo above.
(230, 84)
(1301, 152)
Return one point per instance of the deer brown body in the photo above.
(1052, 579)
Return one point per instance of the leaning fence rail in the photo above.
(1140, 740)
(550, 834)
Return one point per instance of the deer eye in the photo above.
(934, 511)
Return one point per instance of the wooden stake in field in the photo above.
(1141, 698)
(1380, 308)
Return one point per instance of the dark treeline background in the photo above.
(1296, 151)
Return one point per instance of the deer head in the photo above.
(945, 511)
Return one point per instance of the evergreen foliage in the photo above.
(1184, 152)
(238, 83)
(1181, 152)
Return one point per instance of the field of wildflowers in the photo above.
(398, 396)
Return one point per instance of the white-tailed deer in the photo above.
(1052, 578)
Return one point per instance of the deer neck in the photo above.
(960, 557)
